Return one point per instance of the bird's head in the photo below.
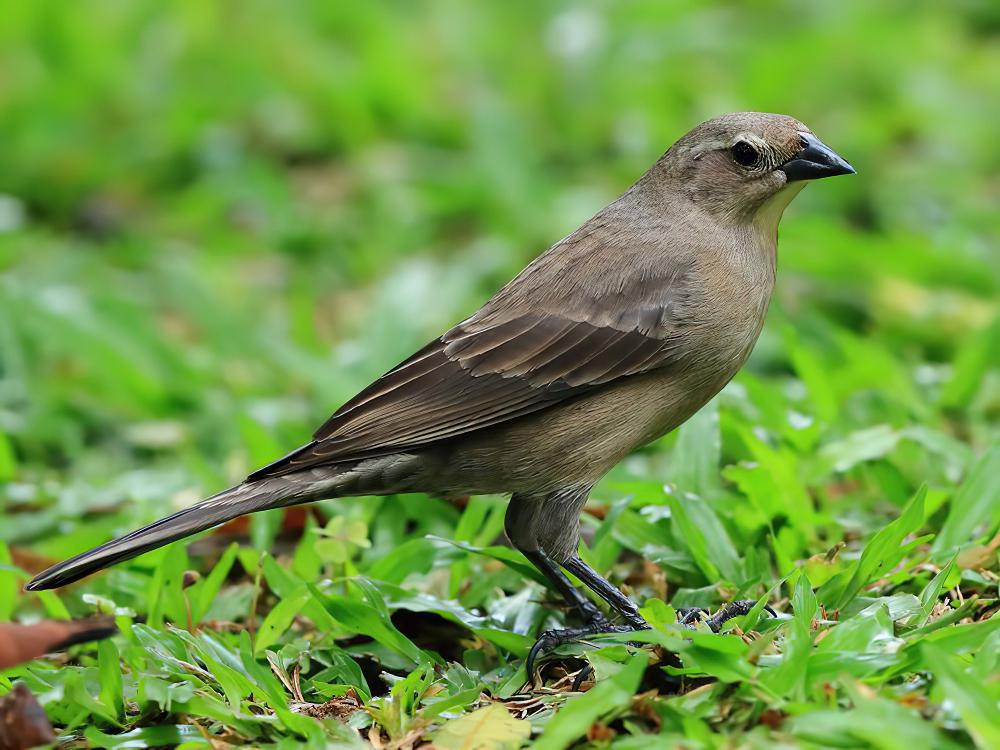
(745, 163)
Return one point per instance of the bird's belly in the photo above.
(577, 442)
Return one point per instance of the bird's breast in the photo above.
(735, 291)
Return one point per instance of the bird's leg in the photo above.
(594, 617)
(589, 611)
(547, 529)
(522, 524)
(551, 639)
(607, 591)
(627, 609)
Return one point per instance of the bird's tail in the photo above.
(236, 501)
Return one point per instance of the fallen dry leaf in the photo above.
(23, 723)
(21, 643)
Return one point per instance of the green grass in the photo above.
(219, 221)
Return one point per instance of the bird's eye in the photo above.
(744, 154)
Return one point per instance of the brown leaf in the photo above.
(23, 723)
(21, 643)
(772, 718)
(980, 556)
(30, 561)
(600, 732)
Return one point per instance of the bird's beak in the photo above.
(815, 160)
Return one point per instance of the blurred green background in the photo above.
(218, 221)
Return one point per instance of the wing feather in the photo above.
(469, 380)
(532, 346)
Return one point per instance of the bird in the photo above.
(611, 338)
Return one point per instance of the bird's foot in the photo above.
(551, 639)
(688, 617)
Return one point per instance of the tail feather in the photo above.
(236, 501)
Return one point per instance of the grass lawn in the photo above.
(218, 221)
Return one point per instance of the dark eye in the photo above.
(744, 154)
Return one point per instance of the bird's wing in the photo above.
(513, 358)
(468, 380)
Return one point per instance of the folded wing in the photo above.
(475, 377)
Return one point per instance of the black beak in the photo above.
(815, 160)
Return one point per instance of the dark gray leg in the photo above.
(521, 525)
(734, 609)
(608, 592)
(547, 530)
(589, 611)
(627, 609)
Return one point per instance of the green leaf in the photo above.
(721, 656)
(788, 678)
(976, 354)
(359, 617)
(699, 529)
(341, 539)
(510, 558)
(267, 685)
(112, 685)
(880, 555)
(965, 638)
(165, 591)
(843, 455)
(414, 556)
(285, 583)
(8, 461)
(697, 453)
(471, 520)
(975, 509)
(874, 722)
(53, 605)
(280, 618)
(489, 728)
(10, 578)
(773, 485)
(574, 719)
(813, 373)
(932, 592)
(149, 737)
(306, 563)
(973, 701)
(205, 591)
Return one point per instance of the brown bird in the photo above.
(611, 338)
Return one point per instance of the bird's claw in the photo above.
(551, 639)
(720, 618)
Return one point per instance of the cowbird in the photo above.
(611, 338)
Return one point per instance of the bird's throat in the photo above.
(765, 221)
